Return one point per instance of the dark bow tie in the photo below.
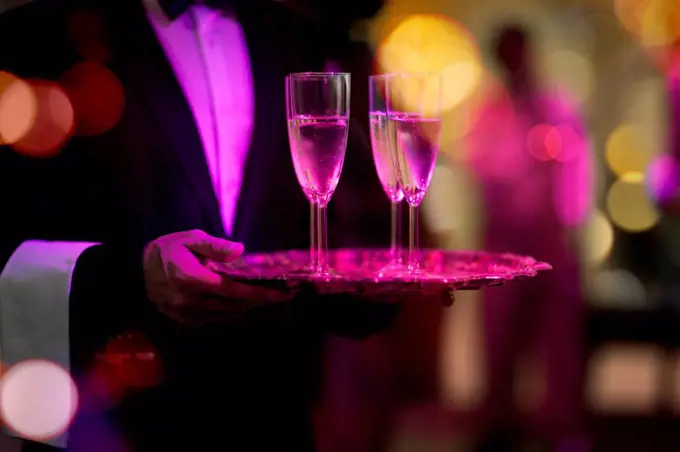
(175, 8)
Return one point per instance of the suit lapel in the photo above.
(148, 74)
(276, 45)
(276, 48)
(262, 139)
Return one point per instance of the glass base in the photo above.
(393, 268)
(403, 271)
(324, 274)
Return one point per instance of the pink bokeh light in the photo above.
(38, 399)
(663, 178)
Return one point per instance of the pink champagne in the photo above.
(318, 147)
(384, 156)
(417, 145)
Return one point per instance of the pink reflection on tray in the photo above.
(359, 269)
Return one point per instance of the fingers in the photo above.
(185, 271)
(195, 277)
(191, 278)
(211, 247)
(176, 278)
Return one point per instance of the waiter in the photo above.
(110, 235)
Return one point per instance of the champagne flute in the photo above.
(318, 125)
(313, 208)
(384, 159)
(414, 112)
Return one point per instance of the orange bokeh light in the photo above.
(18, 108)
(53, 124)
(630, 13)
(655, 23)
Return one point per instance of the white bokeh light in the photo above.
(38, 399)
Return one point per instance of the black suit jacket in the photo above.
(245, 385)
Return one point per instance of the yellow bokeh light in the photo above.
(633, 177)
(433, 44)
(599, 239)
(628, 150)
(630, 206)
(654, 22)
(459, 122)
(630, 13)
(659, 23)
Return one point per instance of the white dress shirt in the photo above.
(210, 58)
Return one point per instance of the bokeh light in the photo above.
(571, 72)
(97, 97)
(101, 390)
(547, 142)
(128, 364)
(624, 379)
(441, 192)
(660, 23)
(38, 399)
(470, 116)
(544, 142)
(435, 44)
(616, 287)
(599, 239)
(18, 108)
(629, 13)
(629, 205)
(3, 369)
(645, 109)
(673, 68)
(653, 22)
(134, 360)
(663, 179)
(627, 150)
(53, 124)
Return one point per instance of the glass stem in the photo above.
(313, 211)
(395, 233)
(413, 247)
(322, 239)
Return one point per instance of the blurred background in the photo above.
(609, 71)
(561, 140)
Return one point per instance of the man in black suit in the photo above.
(130, 214)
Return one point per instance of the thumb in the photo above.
(215, 248)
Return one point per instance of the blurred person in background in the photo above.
(530, 155)
(180, 156)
